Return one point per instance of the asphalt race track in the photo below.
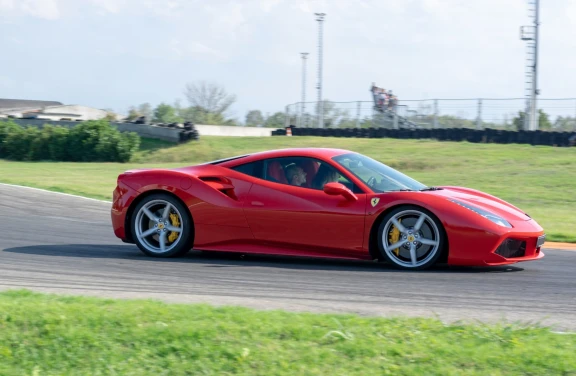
(64, 244)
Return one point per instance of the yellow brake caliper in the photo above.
(176, 223)
(394, 236)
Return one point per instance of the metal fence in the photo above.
(433, 113)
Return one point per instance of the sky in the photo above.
(117, 53)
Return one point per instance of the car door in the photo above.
(303, 218)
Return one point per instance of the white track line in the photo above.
(58, 193)
(558, 249)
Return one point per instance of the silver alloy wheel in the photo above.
(418, 242)
(153, 223)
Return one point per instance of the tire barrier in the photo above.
(488, 135)
(187, 131)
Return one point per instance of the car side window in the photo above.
(304, 172)
(252, 169)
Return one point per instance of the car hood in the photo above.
(483, 201)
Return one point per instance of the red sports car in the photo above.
(318, 203)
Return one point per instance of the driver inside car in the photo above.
(325, 175)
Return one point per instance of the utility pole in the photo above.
(303, 107)
(530, 34)
(479, 116)
(320, 19)
(535, 90)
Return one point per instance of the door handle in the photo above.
(257, 203)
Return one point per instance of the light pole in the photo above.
(530, 34)
(303, 106)
(535, 90)
(320, 19)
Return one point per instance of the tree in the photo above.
(145, 109)
(518, 121)
(198, 115)
(189, 114)
(275, 121)
(133, 114)
(567, 123)
(254, 118)
(111, 116)
(335, 117)
(449, 121)
(211, 97)
(544, 120)
(164, 113)
(366, 123)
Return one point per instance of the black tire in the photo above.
(426, 255)
(150, 245)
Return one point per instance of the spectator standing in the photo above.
(382, 98)
(390, 100)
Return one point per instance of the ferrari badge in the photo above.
(375, 201)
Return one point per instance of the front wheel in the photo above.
(410, 237)
(161, 226)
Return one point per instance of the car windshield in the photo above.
(378, 176)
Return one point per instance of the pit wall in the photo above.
(224, 130)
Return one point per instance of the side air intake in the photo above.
(221, 184)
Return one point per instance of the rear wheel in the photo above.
(161, 226)
(411, 237)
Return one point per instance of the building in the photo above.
(15, 107)
(48, 110)
(66, 112)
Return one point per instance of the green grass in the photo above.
(51, 335)
(539, 179)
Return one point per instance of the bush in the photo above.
(99, 141)
(90, 141)
(17, 144)
(26, 144)
(39, 144)
(6, 128)
(58, 145)
(118, 147)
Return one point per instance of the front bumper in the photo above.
(515, 248)
(484, 247)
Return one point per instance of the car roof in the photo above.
(321, 153)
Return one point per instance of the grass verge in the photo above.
(52, 335)
(539, 179)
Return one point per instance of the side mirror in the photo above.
(337, 189)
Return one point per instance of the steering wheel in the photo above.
(371, 181)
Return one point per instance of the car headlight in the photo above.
(484, 213)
